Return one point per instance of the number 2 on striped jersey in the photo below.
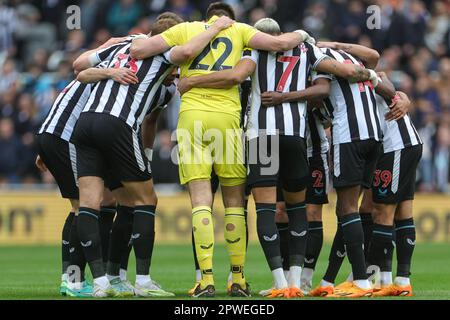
(292, 60)
(131, 63)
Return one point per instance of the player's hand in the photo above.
(112, 41)
(40, 164)
(399, 107)
(306, 37)
(271, 98)
(374, 78)
(222, 23)
(184, 85)
(124, 76)
(327, 44)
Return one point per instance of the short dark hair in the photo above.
(170, 15)
(162, 25)
(220, 9)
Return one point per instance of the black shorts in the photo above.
(317, 188)
(395, 175)
(354, 163)
(59, 156)
(107, 146)
(276, 158)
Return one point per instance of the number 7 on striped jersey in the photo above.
(292, 60)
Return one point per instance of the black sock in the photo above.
(405, 235)
(313, 244)
(89, 234)
(105, 223)
(197, 266)
(337, 255)
(65, 247)
(367, 225)
(353, 234)
(268, 234)
(283, 231)
(381, 247)
(120, 239)
(77, 259)
(143, 237)
(298, 233)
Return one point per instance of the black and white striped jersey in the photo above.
(282, 72)
(355, 113)
(397, 135)
(69, 104)
(316, 137)
(130, 103)
(165, 96)
(66, 109)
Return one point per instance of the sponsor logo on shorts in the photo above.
(382, 193)
(86, 244)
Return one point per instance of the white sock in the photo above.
(307, 275)
(198, 275)
(279, 278)
(363, 284)
(75, 285)
(64, 277)
(143, 279)
(230, 277)
(385, 278)
(102, 282)
(286, 274)
(324, 283)
(111, 278)
(350, 277)
(402, 281)
(123, 274)
(294, 276)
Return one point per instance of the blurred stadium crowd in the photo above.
(37, 51)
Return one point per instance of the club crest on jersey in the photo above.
(303, 48)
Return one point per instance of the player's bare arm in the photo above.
(352, 72)
(369, 56)
(121, 75)
(283, 42)
(143, 48)
(83, 61)
(399, 107)
(385, 89)
(221, 79)
(318, 91)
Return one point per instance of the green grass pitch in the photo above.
(33, 272)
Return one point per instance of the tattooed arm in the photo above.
(369, 56)
(351, 72)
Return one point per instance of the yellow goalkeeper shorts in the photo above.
(209, 140)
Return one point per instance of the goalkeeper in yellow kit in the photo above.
(209, 134)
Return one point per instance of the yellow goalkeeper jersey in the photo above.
(224, 52)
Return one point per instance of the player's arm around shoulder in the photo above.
(123, 76)
(188, 51)
(224, 79)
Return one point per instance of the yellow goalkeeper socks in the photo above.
(204, 242)
(236, 239)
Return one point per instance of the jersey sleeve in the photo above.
(177, 35)
(250, 54)
(317, 75)
(104, 54)
(315, 55)
(247, 32)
